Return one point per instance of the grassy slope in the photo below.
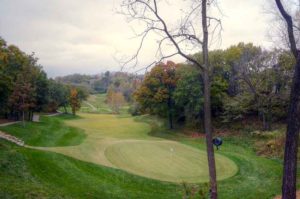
(99, 105)
(98, 101)
(50, 131)
(27, 173)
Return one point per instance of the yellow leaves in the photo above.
(73, 93)
(3, 57)
(115, 100)
(161, 95)
(74, 100)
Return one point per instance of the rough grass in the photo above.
(50, 131)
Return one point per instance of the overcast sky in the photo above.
(84, 36)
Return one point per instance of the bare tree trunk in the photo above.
(292, 137)
(209, 137)
(293, 125)
(207, 107)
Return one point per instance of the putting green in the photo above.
(123, 143)
(166, 161)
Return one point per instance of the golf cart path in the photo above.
(91, 105)
(9, 123)
(16, 140)
(12, 139)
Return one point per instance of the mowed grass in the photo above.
(28, 173)
(167, 161)
(124, 143)
(111, 126)
(98, 103)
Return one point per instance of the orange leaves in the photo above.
(158, 86)
(74, 100)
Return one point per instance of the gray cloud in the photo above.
(83, 36)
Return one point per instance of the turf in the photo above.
(123, 143)
(28, 173)
(166, 161)
(96, 104)
(50, 131)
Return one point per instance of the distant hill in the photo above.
(100, 83)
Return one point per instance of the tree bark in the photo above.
(292, 137)
(293, 123)
(209, 137)
(207, 107)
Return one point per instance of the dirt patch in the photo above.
(297, 197)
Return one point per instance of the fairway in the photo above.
(123, 143)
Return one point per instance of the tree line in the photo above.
(246, 81)
(101, 83)
(25, 87)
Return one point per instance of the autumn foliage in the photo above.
(155, 95)
(115, 100)
(74, 100)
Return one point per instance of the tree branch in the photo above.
(290, 26)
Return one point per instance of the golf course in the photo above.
(125, 144)
(101, 155)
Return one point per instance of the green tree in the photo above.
(58, 96)
(188, 95)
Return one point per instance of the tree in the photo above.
(42, 97)
(156, 92)
(101, 85)
(23, 97)
(188, 94)
(115, 100)
(74, 100)
(58, 95)
(293, 122)
(258, 83)
(180, 37)
(5, 80)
